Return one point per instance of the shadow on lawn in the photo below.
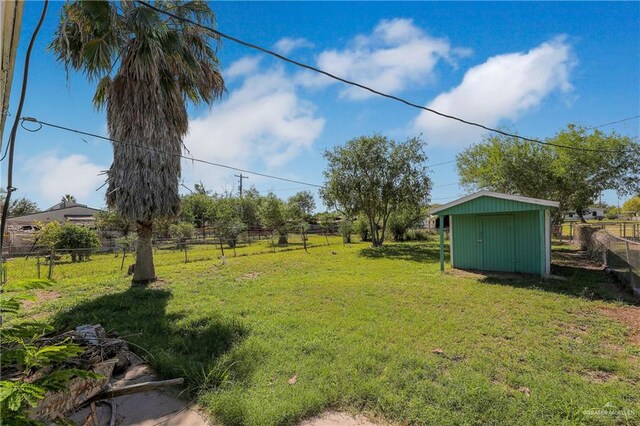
(173, 346)
(578, 281)
(417, 252)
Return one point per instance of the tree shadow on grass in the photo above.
(570, 280)
(174, 346)
(417, 252)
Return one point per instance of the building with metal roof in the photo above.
(491, 231)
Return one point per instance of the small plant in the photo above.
(29, 363)
(79, 241)
(181, 232)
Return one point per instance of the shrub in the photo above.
(78, 241)
(181, 231)
(361, 226)
(417, 235)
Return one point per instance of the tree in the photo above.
(301, 206)
(19, 207)
(229, 222)
(273, 214)
(147, 65)
(574, 177)
(68, 198)
(404, 219)
(376, 176)
(109, 220)
(632, 205)
(78, 241)
(198, 209)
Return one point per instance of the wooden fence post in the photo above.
(51, 261)
(38, 265)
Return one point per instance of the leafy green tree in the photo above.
(110, 220)
(273, 214)
(229, 223)
(250, 207)
(613, 212)
(632, 206)
(574, 177)
(181, 232)
(404, 219)
(20, 206)
(79, 241)
(375, 176)
(198, 209)
(301, 206)
(327, 221)
(146, 65)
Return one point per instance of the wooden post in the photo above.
(304, 239)
(124, 254)
(51, 257)
(221, 247)
(38, 266)
(441, 243)
(186, 259)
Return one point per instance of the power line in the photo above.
(14, 129)
(613, 122)
(362, 86)
(150, 148)
(194, 159)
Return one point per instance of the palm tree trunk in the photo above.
(145, 272)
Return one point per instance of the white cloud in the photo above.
(503, 87)
(242, 67)
(52, 176)
(287, 45)
(262, 125)
(396, 56)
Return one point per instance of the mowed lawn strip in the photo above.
(274, 338)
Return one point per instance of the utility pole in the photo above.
(240, 176)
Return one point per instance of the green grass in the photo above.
(358, 327)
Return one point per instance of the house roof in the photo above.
(518, 198)
(74, 212)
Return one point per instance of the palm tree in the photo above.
(68, 198)
(146, 65)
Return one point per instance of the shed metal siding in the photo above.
(487, 204)
(524, 255)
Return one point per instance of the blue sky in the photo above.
(532, 67)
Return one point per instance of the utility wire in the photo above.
(613, 122)
(197, 160)
(14, 129)
(362, 86)
(41, 123)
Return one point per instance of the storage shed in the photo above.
(490, 231)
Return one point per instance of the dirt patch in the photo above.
(335, 418)
(629, 316)
(598, 376)
(249, 277)
(41, 296)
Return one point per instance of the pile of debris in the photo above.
(103, 353)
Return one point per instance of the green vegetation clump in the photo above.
(79, 241)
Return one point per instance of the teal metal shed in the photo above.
(490, 231)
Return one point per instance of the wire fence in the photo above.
(45, 262)
(619, 255)
(629, 230)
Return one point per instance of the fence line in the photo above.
(41, 262)
(619, 255)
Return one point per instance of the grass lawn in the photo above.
(380, 331)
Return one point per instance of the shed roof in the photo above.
(532, 202)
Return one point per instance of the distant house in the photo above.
(20, 229)
(592, 212)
